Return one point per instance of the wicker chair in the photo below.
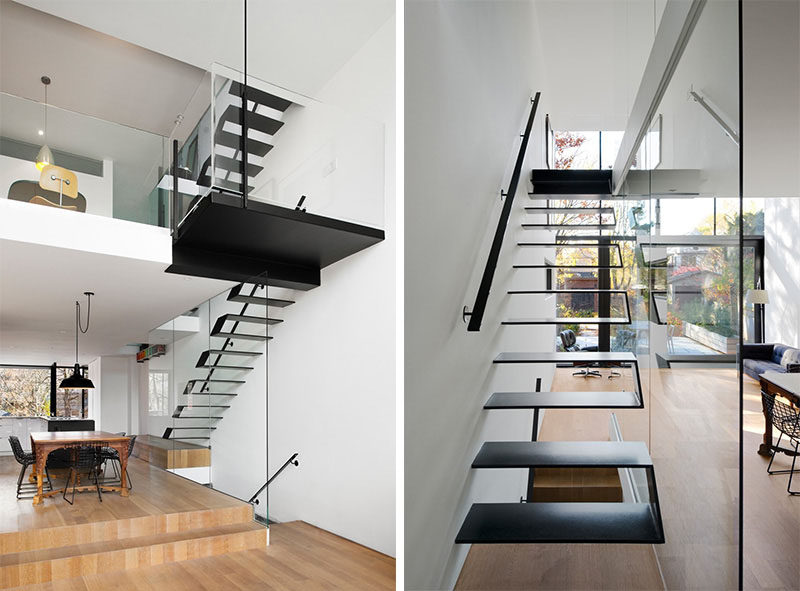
(111, 455)
(786, 419)
(86, 458)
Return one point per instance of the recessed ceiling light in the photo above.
(41, 132)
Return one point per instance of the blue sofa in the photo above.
(758, 358)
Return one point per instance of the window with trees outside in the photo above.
(158, 392)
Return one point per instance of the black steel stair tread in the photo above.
(236, 295)
(551, 291)
(186, 428)
(237, 335)
(601, 196)
(567, 357)
(570, 187)
(187, 438)
(233, 140)
(236, 367)
(567, 175)
(557, 266)
(250, 319)
(209, 380)
(233, 352)
(202, 406)
(563, 454)
(565, 320)
(256, 121)
(568, 226)
(520, 523)
(260, 96)
(582, 399)
(210, 393)
(230, 185)
(561, 245)
(582, 210)
(234, 165)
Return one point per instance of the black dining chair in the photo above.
(87, 458)
(786, 419)
(110, 455)
(26, 459)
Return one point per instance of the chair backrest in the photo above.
(568, 339)
(87, 454)
(782, 416)
(59, 179)
(131, 442)
(16, 447)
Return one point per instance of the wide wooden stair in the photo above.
(60, 546)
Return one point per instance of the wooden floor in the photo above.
(170, 533)
(300, 557)
(690, 423)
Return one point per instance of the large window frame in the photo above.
(54, 390)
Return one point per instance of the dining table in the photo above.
(43, 442)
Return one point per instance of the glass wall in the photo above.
(681, 221)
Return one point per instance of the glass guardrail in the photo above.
(98, 167)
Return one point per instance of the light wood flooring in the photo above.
(690, 423)
(170, 533)
(300, 557)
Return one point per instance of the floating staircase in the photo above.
(224, 358)
(637, 520)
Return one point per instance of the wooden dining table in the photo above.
(43, 442)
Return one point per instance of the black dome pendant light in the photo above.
(76, 381)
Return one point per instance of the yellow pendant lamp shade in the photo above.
(44, 157)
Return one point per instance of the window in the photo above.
(70, 403)
(158, 392)
(24, 391)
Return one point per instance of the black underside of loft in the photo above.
(222, 240)
(520, 523)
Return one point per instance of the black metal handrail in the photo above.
(291, 460)
(476, 315)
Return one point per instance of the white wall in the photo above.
(782, 271)
(117, 389)
(470, 68)
(331, 372)
(691, 139)
(97, 190)
(771, 78)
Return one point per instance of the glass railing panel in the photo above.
(237, 338)
(102, 168)
(297, 147)
(688, 169)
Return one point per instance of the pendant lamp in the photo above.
(77, 381)
(45, 156)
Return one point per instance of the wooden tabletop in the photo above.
(74, 436)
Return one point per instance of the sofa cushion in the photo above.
(757, 351)
(777, 352)
(790, 357)
(755, 367)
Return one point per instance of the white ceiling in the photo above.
(594, 53)
(39, 286)
(91, 73)
(298, 44)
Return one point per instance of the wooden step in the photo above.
(43, 565)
